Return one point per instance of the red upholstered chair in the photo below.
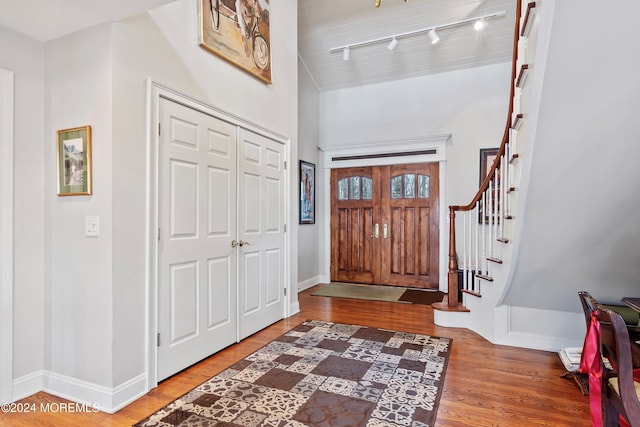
(620, 392)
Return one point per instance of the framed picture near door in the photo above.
(74, 161)
(307, 193)
(487, 158)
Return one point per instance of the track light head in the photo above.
(392, 44)
(479, 25)
(346, 54)
(433, 36)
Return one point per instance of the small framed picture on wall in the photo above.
(487, 158)
(307, 193)
(74, 161)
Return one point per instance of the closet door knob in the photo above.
(234, 243)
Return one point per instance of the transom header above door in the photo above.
(397, 151)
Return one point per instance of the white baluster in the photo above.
(484, 231)
(464, 250)
(478, 216)
(491, 219)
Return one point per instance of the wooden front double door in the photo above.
(384, 225)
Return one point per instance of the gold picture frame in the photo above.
(242, 39)
(73, 148)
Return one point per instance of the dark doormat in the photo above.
(416, 296)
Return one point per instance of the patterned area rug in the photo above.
(322, 374)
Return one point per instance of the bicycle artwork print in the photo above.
(238, 31)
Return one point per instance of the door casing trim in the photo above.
(378, 153)
(155, 91)
(6, 235)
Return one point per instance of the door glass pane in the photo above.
(396, 187)
(410, 186)
(355, 188)
(423, 186)
(367, 188)
(343, 189)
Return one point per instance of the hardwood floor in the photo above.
(485, 384)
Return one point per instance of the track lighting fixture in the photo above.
(377, 2)
(346, 53)
(433, 36)
(479, 24)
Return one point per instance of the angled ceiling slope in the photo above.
(46, 20)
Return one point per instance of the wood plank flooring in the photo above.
(485, 384)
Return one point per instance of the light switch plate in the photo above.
(91, 226)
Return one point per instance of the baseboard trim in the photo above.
(128, 392)
(306, 284)
(105, 399)
(27, 385)
(294, 308)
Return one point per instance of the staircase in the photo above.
(483, 233)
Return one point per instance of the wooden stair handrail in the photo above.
(452, 277)
(505, 137)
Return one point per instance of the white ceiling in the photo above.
(49, 19)
(323, 24)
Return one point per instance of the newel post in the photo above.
(452, 293)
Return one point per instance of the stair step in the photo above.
(514, 157)
(517, 120)
(496, 260)
(508, 217)
(511, 189)
(443, 306)
(475, 294)
(484, 277)
(502, 240)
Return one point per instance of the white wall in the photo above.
(163, 45)
(78, 281)
(157, 45)
(80, 319)
(470, 104)
(580, 230)
(25, 58)
(308, 137)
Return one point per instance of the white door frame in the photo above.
(391, 152)
(156, 91)
(6, 235)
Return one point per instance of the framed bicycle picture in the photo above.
(239, 32)
(307, 193)
(74, 161)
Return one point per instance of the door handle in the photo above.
(240, 243)
(376, 231)
(385, 232)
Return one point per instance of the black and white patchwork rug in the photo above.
(322, 374)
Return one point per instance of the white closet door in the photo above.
(197, 267)
(261, 207)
